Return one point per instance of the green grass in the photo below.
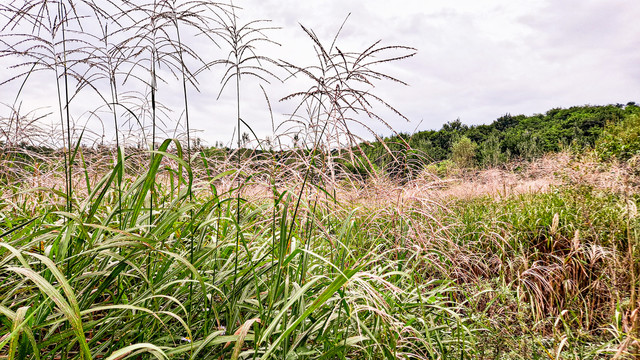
(84, 285)
(316, 278)
(544, 271)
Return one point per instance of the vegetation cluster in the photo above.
(511, 138)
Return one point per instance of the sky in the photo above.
(478, 60)
(475, 60)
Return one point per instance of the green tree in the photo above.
(463, 152)
(528, 146)
(490, 151)
(620, 140)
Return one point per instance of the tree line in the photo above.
(510, 137)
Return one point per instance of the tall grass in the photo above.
(140, 261)
(271, 254)
(308, 293)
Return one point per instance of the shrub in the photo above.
(463, 152)
(621, 141)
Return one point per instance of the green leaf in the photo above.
(324, 296)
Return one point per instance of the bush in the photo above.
(463, 152)
(621, 140)
(441, 169)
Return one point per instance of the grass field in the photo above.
(120, 243)
(379, 270)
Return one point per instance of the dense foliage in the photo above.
(508, 137)
(622, 140)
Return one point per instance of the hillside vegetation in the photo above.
(510, 138)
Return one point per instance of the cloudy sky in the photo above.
(476, 60)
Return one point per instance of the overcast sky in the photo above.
(476, 60)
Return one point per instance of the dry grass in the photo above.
(537, 177)
(540, 176)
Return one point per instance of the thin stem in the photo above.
(235, 268)
(186, 116)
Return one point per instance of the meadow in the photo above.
(300, 246)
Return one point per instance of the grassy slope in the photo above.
(535, 262)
